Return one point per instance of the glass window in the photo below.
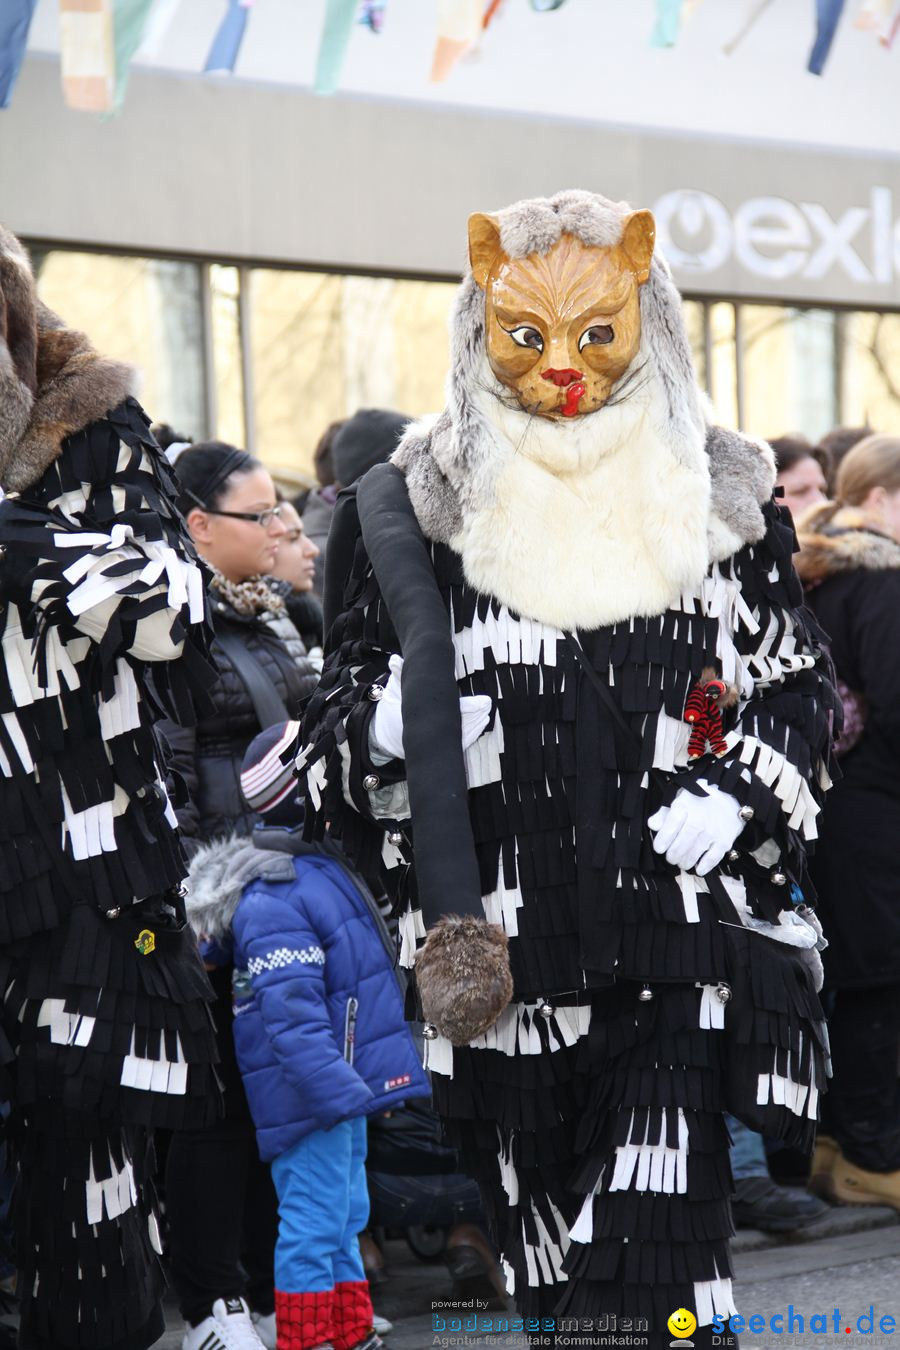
(696, 331)
(146, 311)
(224, 298)
(788, 370)
(869, 358)
(421, 318)
(722, 377)
(324, 345)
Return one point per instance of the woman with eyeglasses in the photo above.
(219, 1197)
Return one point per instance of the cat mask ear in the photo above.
(638, 237)
(484, 246)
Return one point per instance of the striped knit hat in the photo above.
(267, 773)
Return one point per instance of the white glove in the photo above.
(695, 832)
(386, 732)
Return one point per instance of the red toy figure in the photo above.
(703, 711)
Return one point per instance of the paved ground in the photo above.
(849, 1261)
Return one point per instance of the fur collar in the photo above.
(52, 382)
(671, 516)
(841, 539)
(218, 873)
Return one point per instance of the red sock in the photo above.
(352, 1314)
(304, 1320)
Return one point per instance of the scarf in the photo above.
(249, 597)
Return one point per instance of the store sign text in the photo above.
(774, 238)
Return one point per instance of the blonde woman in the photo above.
(850, 564)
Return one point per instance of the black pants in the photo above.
(223, 1219)
(862, 1106)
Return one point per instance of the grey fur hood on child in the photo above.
(219, 873)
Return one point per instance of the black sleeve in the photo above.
(874, 626)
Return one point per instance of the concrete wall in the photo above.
(251, 171)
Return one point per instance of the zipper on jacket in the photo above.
(350, 1029)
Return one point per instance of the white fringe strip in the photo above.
(653, 1167)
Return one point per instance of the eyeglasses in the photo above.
(263, 518)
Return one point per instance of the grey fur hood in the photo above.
(218, 874)
(451, 462)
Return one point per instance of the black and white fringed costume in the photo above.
(105, 1026)
(646, 999)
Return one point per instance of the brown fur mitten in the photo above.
(463, 976)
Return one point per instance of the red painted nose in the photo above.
(561, 378)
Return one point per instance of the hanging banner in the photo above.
(754, 14)
(129, 24)
(15, 20)
(459, 24)
(340, 16)
(226, 46)
(98, 38)
(893, 28)
(159, 21)
(87, 54)
(828, 16)
(371, 15)
(668, 22)
(882, 17)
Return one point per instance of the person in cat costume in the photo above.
(604, 925)
(105, 1031)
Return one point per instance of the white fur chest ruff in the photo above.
(592, 545)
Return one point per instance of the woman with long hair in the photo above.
(220, 1200)
(850, 565)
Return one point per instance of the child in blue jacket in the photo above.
(320, 1039)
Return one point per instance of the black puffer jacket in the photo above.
(208, 757)
(852, 575)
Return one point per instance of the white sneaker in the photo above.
(229, 1328)
(380, 1325)
(266, 1329)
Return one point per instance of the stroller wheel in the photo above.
(425, 1242)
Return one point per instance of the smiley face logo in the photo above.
(682, 1323)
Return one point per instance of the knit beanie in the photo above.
(367, 438)
(268, 781)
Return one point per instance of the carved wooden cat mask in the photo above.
(562, 327)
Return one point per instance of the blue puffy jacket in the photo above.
(319, 1029)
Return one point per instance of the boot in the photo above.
(823, 1160)
(759, 1203)
(852, 1185)
(372, 1258)
(473, 1266)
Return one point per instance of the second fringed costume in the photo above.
(105, 1031)
(572, 540)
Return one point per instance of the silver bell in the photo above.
(430, 1031)
(547, 1010)
(646, 994)
(113, 913)
(375, 692)
(723, 992)
(371, 782)
(746, 813)
(732, 856)
(778, 878)
(395, 837)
